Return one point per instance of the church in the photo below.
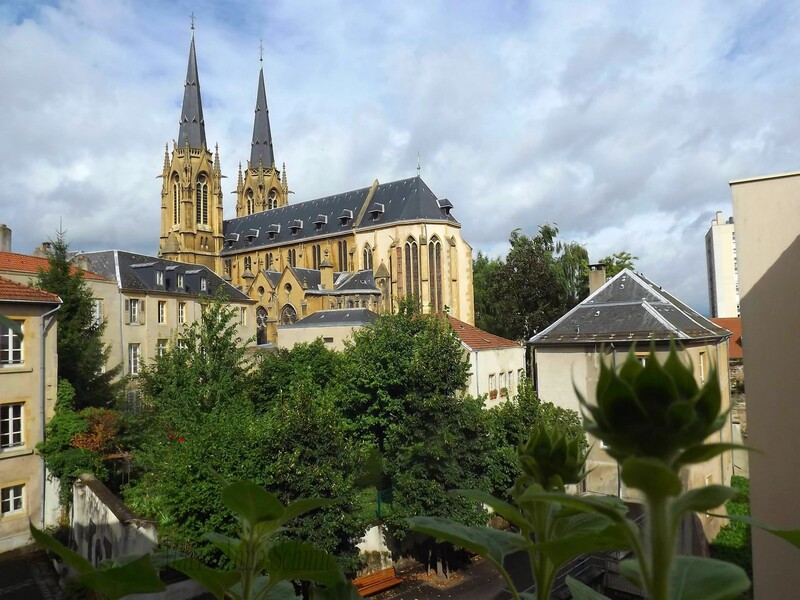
(363, 248)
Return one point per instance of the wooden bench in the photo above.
(379, 581)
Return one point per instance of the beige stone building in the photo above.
(767, 214)
(630, 311)
(28, 380)
(399, 231)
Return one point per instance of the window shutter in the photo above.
(142, 304)
(127, 312)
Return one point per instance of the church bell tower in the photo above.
(191, 195)
(263, 186)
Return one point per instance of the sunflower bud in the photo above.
(551, 460)
(656, 411)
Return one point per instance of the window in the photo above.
(492, 382)
(273, 198)
(248, 263)
(10, 426)
(181, 312)
(242, 316)
(288, 315)
(511, 381)
(226, 267)
(291, 257)
(182, 344)
(160, 278)
(176, 200)
(412, 268)
(435, 274)
(203, 284)
(702, 367)
(11, 500)
(134, 359)
(342, 246)
(251, 203)
(97, 312)
(162, 312)
(520, 376)
(180, 281)
(133, 311)
(502, 380)
(161, 347)
(367, 263)
(327, 340)
(316, 256)
(202, 200)
(10, 345)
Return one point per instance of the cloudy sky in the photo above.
(621, 122)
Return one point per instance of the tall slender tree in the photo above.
(82, 355)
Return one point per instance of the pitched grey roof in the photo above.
(137, 272)
(629, 307)
(261, 150)
(359, 282)
(192, 126)
(336, 317)
(394, 202)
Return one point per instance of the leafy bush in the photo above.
(734, 541)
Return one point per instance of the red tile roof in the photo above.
(13, 291)
(25, 263)
(734, 325)
(478, 339)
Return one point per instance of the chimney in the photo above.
(44, 250)
(326, 272)
(5, 238)
(597, 277)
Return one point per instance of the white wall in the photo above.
(484, 363)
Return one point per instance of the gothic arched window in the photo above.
(367, 263)
(316, 256)
(412, 268)
(435, 274)
(342, 245)
(288, 315)
(202, 200)
(251, 203)
(291, 257)
(176, 200)
(261, 325)
(273, 199)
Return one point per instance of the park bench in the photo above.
(376, 582)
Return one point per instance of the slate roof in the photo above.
(11, 291)
(261, 151)
(394, 202)
(25, 263)
(336, 318)
(478, 339)
(192, 125)
(137, 272)
(629, 307)
(734, 325)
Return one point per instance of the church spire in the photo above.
(193, 128)
(261, 151)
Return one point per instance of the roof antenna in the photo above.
(419, 167)
(261, 51)
(192, 19)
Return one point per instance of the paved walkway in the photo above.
(27, 574)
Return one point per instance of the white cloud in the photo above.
(621, 122)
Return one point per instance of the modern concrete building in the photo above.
(630, 312)
(767, 213)
(28, 381)
(497, 365)
(721, 263)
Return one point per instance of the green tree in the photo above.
(618, 261)
(486, 304)
(82, 355)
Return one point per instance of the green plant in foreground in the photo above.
(654, 420)
(264, 565)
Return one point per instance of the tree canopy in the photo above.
(618, 261)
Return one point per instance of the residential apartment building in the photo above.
(28, 382)
(721, 263)
(767, 212)
(630, 312)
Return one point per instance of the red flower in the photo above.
(171, 436)
(181, 440)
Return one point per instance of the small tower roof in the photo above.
(261, 151)
(192, 126)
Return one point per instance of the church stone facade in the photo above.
(363, 248)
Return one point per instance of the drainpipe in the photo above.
(477, 377)
(47, 320)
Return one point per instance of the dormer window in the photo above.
(203, 284)
(273, 230)
(160, 278)
(180, 281)
(376, 210)
(445, 206)
(296, 226)
(346, 216)
(251, 235)
(320, 221)
(231, 239)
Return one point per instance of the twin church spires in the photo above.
(191, 195)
